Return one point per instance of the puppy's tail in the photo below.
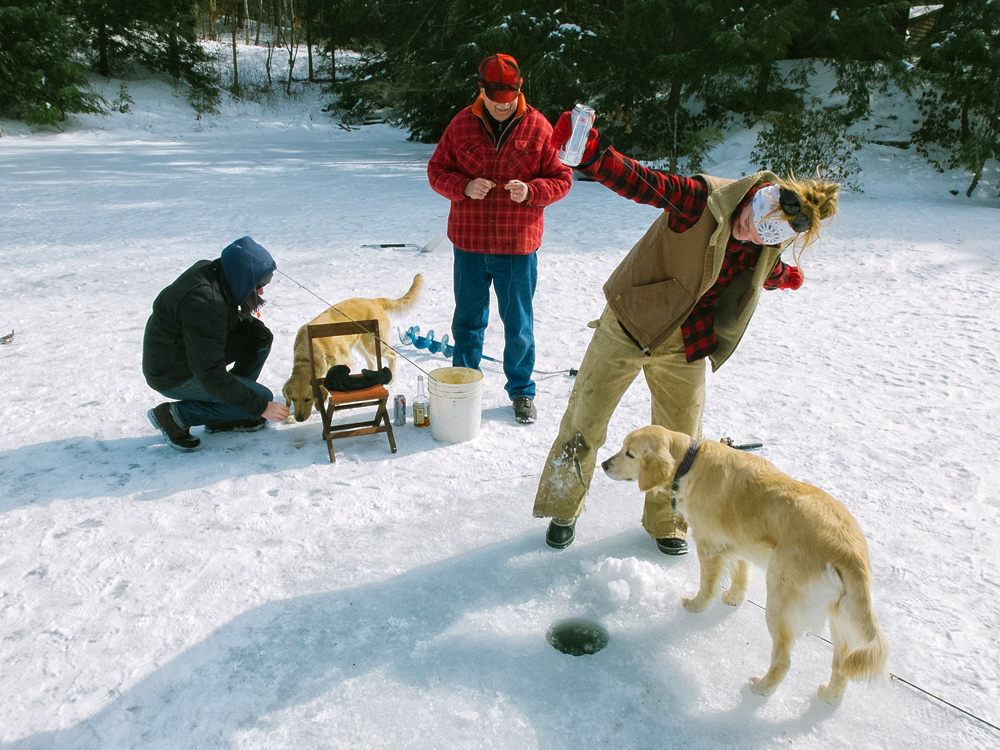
(407, 300)
(867, 662)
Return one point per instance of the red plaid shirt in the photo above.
(497, 224)
(685, 198)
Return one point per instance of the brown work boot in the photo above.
(524, 410)
(179, 438)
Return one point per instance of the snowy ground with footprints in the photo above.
(254, 595)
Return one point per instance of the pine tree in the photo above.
(865, 41)
(112, 27)
(421, 58)
(650, 62)
(960, 61)
(40, 80)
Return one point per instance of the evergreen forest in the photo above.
(664, 76)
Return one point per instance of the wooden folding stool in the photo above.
(376, 396)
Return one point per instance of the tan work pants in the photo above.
(612, 362)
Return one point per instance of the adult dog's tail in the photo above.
(867, 662)
(406, 301)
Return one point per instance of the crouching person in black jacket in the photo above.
(201, 324)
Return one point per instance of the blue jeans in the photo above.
(195, 406)
(513, 278)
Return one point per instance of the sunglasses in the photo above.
(494, 86)
(789, 203)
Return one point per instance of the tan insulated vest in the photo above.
(658, 283)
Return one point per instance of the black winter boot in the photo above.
(561, 533)
(179, 438)
(250, 424)
(672, 546)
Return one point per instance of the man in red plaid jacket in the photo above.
(496, 165)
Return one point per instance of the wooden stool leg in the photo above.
(388, 429)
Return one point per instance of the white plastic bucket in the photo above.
(456, 396)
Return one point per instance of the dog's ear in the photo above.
(656, 467)
(284, 393)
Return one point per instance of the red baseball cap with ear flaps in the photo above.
(500, 77)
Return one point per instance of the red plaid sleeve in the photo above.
(684, 197)
(778, 276)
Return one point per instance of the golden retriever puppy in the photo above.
(740, 508)
(337, 350)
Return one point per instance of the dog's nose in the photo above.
(299, 418)
(604, 464)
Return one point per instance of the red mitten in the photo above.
(564, 129)
(794, 280)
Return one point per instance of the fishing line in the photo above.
(547, 374)
(905, 682)
(334, 307)
(349, 318)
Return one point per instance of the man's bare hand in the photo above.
(518, 191)
(275, 412)
(478, 188)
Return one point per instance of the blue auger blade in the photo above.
(433, 346)
(411, 334)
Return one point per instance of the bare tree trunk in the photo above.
(763, 83)
(309, 44)
(102, 46)
(293, 47)
(173, 53)
(236, 69)
(975, 180)
(279, 27)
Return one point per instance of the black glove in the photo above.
(339, 378)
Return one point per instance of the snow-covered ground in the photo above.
(253, 595)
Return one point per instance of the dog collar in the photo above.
(683, 469)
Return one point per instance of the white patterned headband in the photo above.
(767, 216)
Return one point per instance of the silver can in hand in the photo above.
(571, 154)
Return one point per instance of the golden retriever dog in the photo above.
(337, 350)
(740, 508)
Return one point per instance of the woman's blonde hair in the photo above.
(818, 201)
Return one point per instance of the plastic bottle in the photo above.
(421, 406)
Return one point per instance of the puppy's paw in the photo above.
(830, 696)
(694, 604)
(733, 598)
(757, 687)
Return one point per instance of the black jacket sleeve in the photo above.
(204, 317)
